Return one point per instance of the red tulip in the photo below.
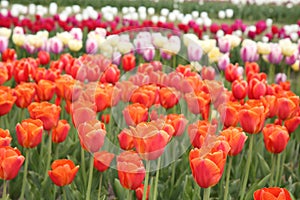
(198, 131)
(128, 62)
(131, 170)
(274, 193)
(239, 89)
(146, 95)
(168, 97)
(44, 57)
(257, 88)
(276, 138)
(135, 113)
(236, 139)
(292, 124)
(11, 161)
(5, 137)
(9, 55)
(232, 73)
(288, 105)
(60, 132)
(102, 160)
(125, 139)
(29, 132)
(111, 74)
(140, 190)
(7, 100)
(229, 112)
(178, 122)
(63, 172)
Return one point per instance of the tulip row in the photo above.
(172, 118)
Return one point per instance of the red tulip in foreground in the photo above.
(63, 172)
(11, 161)
(274, 193)
(131, 170)
(102, 160)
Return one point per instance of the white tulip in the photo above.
(125, 10)
(229, 13)
(108, 17)
(113, 40)
(142, 9)
(143, 16)
(4, 12)
(68, 9)
(134, 16)
(172, 17)
(220, 33)
(78, 17)
(125, 47)
(238, 33)
(207, 22)
(4, 4)
(176, 12)
(269, 22)
(189, 38)
(131, 9)
(221, 14)
(63, 17)
(162, 19)
(154, 19)
(5, 32)
(199, 21)
(32, 9)
(294, 36)
(101, 31)
(76, 8)
(164, 12)
(204, 15)
(53, 8)
(195, 14)
(180, 17)
(151, 11)
(114, 10)
(85, 15)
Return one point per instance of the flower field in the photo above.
(148, 102)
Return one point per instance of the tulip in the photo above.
(275, 55)
(229, 112)
(91, 46)
(139, 192)
(236, 139)
(207, 167)
(75, 45)
(270, 102)
(224, 45)
(44, 57)
(145, 95)
(125, 139)
(149, 53)
(276, 138)
(194, 52)
(3, 43)
(280, 77)
(29, 132)
(48, 113)
(5, 138)
(290, 60)
(7, 100)
(25, 93)
(9, 55)
(4, 76)
(249, 53)
(208, 73)
(45, 90)
(128, 62)
(168, 97)
(263, 48)
(135, 113)
(198, 131)
(257, 88)
(252, 118)
(116, 58)
(178, 122)
(292, 124)
(76, 33)
(287, 105)
(63, 172)
(60, 132)
(102, 160)
(131, 170)
(232, 73)
(56, 45)
(272, 193)
(214, 55)
(91, 135)
(149, 139)
(223, 62)
(239, 89)
(11, 162)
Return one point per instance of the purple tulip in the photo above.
(116, 58)
(194, 52)
(280, 77)
(224, 45)
(249, 53)
(91, 46)
(223, 62)
(56, 45)
(29, 48)
(139, 44)
(77, 33)
(290, 60)
(3, 43)
(149, 53)
(275, 55)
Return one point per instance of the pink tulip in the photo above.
(249, 53)
(149, 53)
(77, 33)
(56, 45)
(290, 60)
(91, 46)
(116, 58)
(223, 62)
(224, 45)
(280, 77)
(194, 52)
(275, 55)
(3, 43)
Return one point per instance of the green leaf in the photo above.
(256, 186)
(263, 164)
(119, 190)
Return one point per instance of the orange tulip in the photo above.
(198, 131)
(252, 118)
(236, 139)
(63, 172)
(168, 97)
(178, 122)
(125, 139)
(82, 111)
(288, 105)
(5, 138)
(150, 139)
(48, 113)
(146, 95)
(91, 135)
(3, 74)
(276, 138)
(128, 62)
(270, 102)
(9, 55)
(60, 132)
(274, 193)
(11, 161)
(292, 124)
(140, 190)
(198, 102)
(102, 160)
(257, 88)
(7, 100)
(131, 170)
(45, 90)
(25, 93)
(207, 165)
(104, 96)
(229, 112)
(135, 113)
(239, 89)
(29, 132)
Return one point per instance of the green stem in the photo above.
(64, 192)
(129, 195)
(277, 168)
(228, 178)
(247, 168)
(281, 166)
(288, 72)
(174, 61)
(88, 191)
(48, 154)
(272, 169)
(156, 179)
(22, 114)
(83, 166)
(54, 193)
(206, 194)
(25, 174)
(146, 180)
(271, 73)
(100, 185)
(4, 196)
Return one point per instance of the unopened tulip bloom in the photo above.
(61, 131)
(128, 62)
(223, 62)
(239, 89)
(276, 138)
(257, 88)
(178, 122)
(5, 137)
(29, 132)
(288, 105)
(116, 58)
(139, 192)
(45, 90)
(198, 131)
(63, 172)
(131, 170)
(7, 100)
(135, 113)
(229, 112)
(232, 73)
(280, 77)
(275, 193)
(75, 45)
(77, 33)
(10, 162)
(125, 139)
(168, 97)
